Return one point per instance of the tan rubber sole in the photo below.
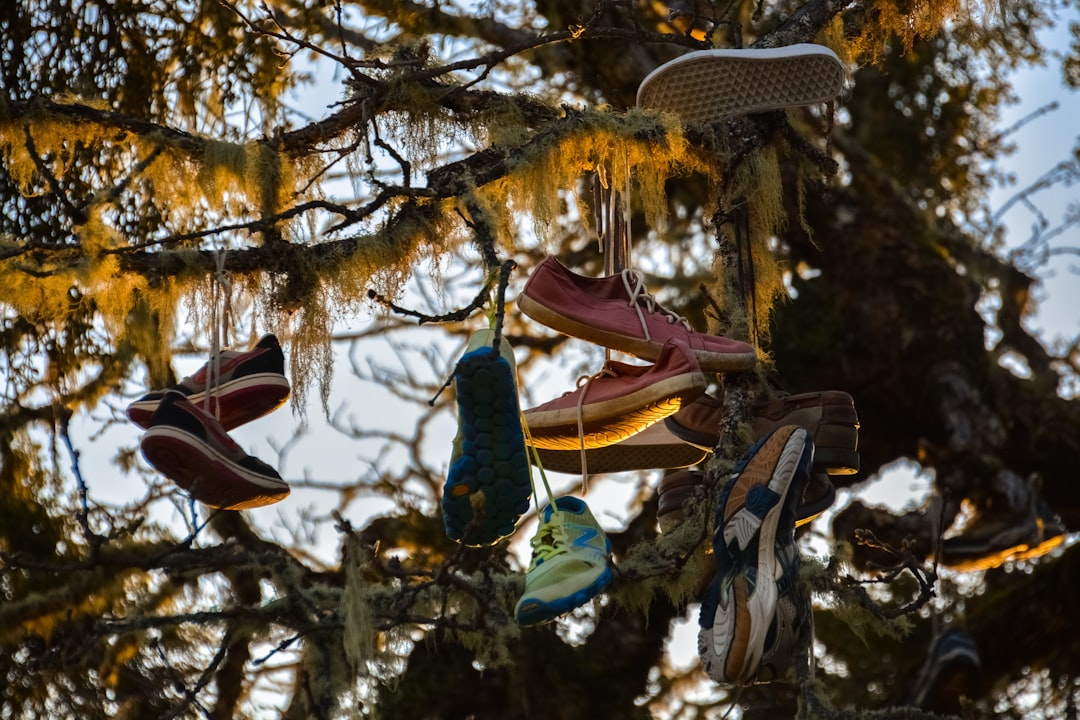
(612, 421)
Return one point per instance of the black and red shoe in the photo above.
(191, 448)
(248, 385)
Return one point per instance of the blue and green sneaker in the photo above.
(569, 563)
(489, 482)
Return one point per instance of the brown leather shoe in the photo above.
(677, 486)
(654, 448)
(698, 423)
(829, 416)
(674, 489)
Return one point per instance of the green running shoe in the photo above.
(489, 482)
(569, 563)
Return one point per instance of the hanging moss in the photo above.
(356, 611)
(897, 18)
(828, 581)
(634, 146)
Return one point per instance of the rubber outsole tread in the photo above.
(708, 86)
(535, 611)
(489, 484)
(207, 476)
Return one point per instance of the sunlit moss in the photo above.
(904, 20)
(84, 594)
(636, 147)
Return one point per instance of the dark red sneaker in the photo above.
(192, 449)
(618, 402)
(618, 312)
(250, 385)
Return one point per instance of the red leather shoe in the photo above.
(618, 312)
(618, 402)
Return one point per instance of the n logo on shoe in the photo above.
(582, 540)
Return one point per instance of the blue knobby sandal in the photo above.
(489, 483)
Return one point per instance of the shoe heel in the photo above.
(836, 449)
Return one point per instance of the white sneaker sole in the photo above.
(732, 643)
(710, 85)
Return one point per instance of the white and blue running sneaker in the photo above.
(756, 558)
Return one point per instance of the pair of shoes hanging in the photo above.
(754, 609)
(489, 486)
(186, 425)
(610, 409)
(612, 418)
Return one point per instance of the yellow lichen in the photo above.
(636, 146)
(904, 20)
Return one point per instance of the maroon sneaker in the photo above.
(618, 402)
(619, 313)
(191, 448)
(829, 416)
(250, 385)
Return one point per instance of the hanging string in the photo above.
(612, 212)
(496, 322)
(220, 312)
(507, 267)
(530, 447)
(622, 237)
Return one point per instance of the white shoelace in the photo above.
(583, 383)
(635, 288)
(220, 311)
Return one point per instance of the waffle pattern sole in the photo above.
(611, 421)
(739, 605)
(711, 85)
(489, 483)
